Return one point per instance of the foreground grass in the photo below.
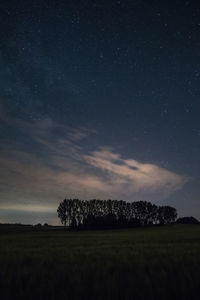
(146, 263)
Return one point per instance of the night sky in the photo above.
(98, 99)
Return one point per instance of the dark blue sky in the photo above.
(99, 99)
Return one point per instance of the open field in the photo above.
(143, 263)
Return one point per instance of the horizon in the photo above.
(58, 222)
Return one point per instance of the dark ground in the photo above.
(143, 263)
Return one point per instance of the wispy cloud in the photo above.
(60, 167)
(133, 176)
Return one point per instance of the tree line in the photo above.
(101, 214)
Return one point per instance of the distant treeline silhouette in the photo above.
(187, 220)
(101, 214)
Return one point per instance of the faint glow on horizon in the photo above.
(29, 208)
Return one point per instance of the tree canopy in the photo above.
(187, 220)
(94, 213)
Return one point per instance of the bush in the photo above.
(187, 220)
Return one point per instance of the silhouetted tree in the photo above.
(187, 220)
(64, 211)
(166, 214)
(112, 213)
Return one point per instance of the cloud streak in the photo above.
(66, 170)
(134, 176)
(61, 167)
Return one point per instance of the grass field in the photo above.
(144, 263)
